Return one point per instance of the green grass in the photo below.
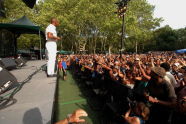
(69, 98)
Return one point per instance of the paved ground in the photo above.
(34, 102)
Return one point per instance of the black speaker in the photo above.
(1, 65)
(6, 80)
(8, 63)
(20, 61)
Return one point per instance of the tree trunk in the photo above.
(75, 47)
(104, 44)
(109, 50)
(72, 47)
(102, 40)
(136, 47)
(95, 44)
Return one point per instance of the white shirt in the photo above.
(52, 29)
(170, 78)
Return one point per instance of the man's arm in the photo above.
(89, 68)
(171, 95)
(105, 66)
(51, 36)
(165, 103)
(143, 72)
(131, 120)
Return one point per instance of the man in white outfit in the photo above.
(51, 46)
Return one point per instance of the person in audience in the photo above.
(161, 95)
(169, 77)
(182, 103)
(64, 68)
(137, 115)
(60, 64)
(75, 117)
(153, 79)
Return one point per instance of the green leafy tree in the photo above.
(166, 38)
(88, 22)
(181, 42)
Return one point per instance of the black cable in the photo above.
(5, 99)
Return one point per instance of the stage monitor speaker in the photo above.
(20, 61)
(6, 80)
(1, 65)
(8, 63)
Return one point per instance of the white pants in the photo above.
(51, 51)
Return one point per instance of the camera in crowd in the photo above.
(132, 104)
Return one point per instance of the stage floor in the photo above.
(34, 101)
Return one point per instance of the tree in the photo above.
(181, 42)
(166, 38)
(93, 23)
(140, 24)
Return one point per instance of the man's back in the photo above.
(163, 91)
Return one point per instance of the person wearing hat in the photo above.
(161, 95)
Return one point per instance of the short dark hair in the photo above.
(53, 19)
(166, 66)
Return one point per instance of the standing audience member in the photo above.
(161, 95)
(169, 77)
(60, 64)
(64, 66)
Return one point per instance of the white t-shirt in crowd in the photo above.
(170, 78)
(52, 29)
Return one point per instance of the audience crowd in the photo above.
(138, 88)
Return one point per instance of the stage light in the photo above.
(122, 8)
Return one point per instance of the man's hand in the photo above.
(75, 117)
(153, 100)
(51, 36)
(58, 38)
